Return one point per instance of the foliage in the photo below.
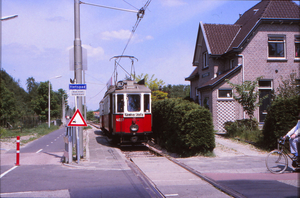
(247, 95)
(177, 91)
(288, 87)
(152, 83)
(2, 132)
(158, 95)
(183, 127)
(246, 130)
(90, 115)
(281, 117)
(18, 107)
(36, 132)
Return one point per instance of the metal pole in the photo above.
(78, 62)
(49, 104)
(0, 34)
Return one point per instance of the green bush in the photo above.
(245, 129)
(183, 127)
(281, 117)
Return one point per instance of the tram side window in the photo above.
(120, 103)
(147, 103)
(133, 102)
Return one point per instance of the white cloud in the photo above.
(121, 34)
(94, 52)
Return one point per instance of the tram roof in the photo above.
(128, 87)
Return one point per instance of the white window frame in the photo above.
(225, 89)
(279, 37)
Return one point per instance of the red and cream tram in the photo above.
(125, 112)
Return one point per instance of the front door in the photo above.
(265, 103)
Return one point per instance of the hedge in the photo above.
(183, 127)
(281, 117)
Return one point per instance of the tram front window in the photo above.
(133, 102)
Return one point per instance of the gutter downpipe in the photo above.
(243, 74)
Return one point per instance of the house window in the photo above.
(276, 46)
(225, 93)
(231, 63)
(297, 46)
(205, 59)
(265, 84)
(206, 102)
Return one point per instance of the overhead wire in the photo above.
(140, 15)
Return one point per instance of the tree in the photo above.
(152, 83)
(177, 91)
(7, 105)
(155, 85)
(40, 103)
(288, 87)
(247, 95)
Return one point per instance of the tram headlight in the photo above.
(134, 128)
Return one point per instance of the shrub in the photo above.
(183, 127)
(245, 129)
(281, 117)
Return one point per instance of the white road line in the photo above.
(39, 150)
(8, 171)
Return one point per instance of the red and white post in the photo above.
(18, 152)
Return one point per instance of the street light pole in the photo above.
(49, 99)
(78, 64)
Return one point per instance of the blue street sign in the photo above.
(77, 86)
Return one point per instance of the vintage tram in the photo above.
(125, 112)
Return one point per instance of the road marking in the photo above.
(8, 171)
(39, 150)
(171, 195)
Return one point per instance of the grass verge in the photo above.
(35, 132)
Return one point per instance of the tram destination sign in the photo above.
(77, 89)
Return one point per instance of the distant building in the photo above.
(264, 41)
(96, 114)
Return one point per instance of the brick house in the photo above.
(264, 41)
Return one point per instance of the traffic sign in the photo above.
(76, 92)
(77, 86)
(77, 89)
(77, 119)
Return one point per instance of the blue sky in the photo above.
(37, 43)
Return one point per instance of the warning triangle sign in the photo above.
(77, 119)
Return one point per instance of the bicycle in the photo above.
(277, 161)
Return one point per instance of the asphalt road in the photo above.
(52, 142)
(41, 172)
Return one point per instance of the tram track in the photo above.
(145, 150)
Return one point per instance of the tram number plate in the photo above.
(134, 115)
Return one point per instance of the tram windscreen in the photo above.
(147, 102)
(133, 102)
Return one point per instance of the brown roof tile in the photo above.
(193, 75)
(223, 38)
(220, 36)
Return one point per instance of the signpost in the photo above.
(77, 121)
(77, 89)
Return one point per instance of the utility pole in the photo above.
(78, 65)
